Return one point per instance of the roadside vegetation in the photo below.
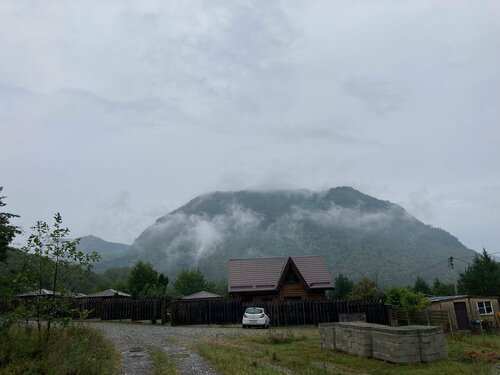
(74, 350)
(298, 351)
(162, 364)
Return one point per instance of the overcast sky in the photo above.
(115, 113)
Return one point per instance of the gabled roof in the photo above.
(38, 292)
(107, 293)
(201, 295)
(264, 274)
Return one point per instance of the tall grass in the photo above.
(74, 350)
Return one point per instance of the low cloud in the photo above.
(198, 236)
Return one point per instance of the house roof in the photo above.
(107, 293)
(201, 295)
(39, 292)
(264, 274)
(449, 298)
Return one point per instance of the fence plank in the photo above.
(281, 313)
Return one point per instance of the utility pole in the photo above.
(454, 272)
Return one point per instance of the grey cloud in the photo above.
(380, 95)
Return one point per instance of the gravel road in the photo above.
(133, 341)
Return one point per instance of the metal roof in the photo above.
(107, 293)
(448, 298)
(264, 274)
(38, 292)
(201, 295)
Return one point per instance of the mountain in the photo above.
(358, 235)
(104, 248)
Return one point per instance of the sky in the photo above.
(115, 113)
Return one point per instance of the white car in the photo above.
(255, 317)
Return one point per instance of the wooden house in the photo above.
(278, 279)
(466, 310)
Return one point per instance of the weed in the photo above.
(162, 364)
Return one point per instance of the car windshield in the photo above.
(254, 310)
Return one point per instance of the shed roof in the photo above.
(450, 298)
(264, 274)
(201, 295)
(107, 293)
(38, 292)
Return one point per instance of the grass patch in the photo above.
(163, 365)
(74, 350)
(300, 353)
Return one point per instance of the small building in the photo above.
(38, 293)
(465, 309)
(279, 279)
(108, 293)
(201, 296)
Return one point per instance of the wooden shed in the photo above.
(278, 279)
(465, 309)
(108, 293)
(201, 296)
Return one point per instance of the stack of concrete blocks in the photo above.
(327, 335)
(354, 338)
(410, 344)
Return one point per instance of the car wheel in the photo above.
(243, 326)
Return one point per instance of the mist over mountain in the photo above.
(358, 235)
(106, 249)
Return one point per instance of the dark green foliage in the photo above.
(50, 257)
(343, 287)
(482, 277)
(7, 230)
(407, 298)
(75, 281)
(145, 282)
(422, 286)
(365, 289)
(441, 289)
(189, 282)
(355, 233)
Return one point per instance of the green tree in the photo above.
(49, 258)
(482, 277)
(343, 287)
(142, 280)
(365, 289)
(407, 298)
(422, 286)
(441, 289)
(189, 282)
(7, 231)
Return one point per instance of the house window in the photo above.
(291, 278)
(484, 307)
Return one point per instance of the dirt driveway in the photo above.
(133, 341)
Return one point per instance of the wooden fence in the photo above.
(109, 309)
(285, 313)
(123, 308)
(423, 317)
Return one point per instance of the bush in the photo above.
(76, 350)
